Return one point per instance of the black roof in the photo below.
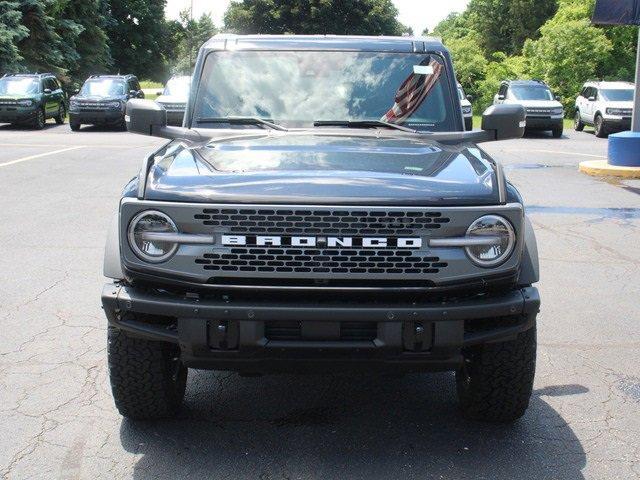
(28, 75)
(325, 42)
(524, 82)
(124, 77)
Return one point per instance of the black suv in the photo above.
(102, 99)
(346, 222)
(31, 98)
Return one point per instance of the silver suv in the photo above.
(544, 111)
(605, 105)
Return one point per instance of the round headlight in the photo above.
(144, 243)
(114, 105)
(25, 103)
(500, 240)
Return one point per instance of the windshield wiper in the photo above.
(241, 121)
(361, 124)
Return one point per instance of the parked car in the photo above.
(322, 209)
(467, 109)
(31, 98)
(605, 105)
(174, 98)
(102, 100)
(544, 111)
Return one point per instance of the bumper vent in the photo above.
(289, 260)
(284, 330)
(320, 222)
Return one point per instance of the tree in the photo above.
(192, 34)
(11, 32)
(347, 17)
(137, 37)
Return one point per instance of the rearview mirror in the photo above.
(504, 121)
(146, 117)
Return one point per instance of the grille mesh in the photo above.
(321, 222)
(296, 260)
(290, 330)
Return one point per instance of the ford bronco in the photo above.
(322, 210)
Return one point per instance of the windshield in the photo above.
(178, 87)
(618, 94)
(531, 92)
(103, 87)
(295, 88)
(18, 86)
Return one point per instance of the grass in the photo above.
(149, 84)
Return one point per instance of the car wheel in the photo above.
(75, 126)
(600, 129)
(40, 120)
(62, 113)
(496, 380)
(148, 379)
(577, 122)
(557, 132)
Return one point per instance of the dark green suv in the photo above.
(30, 99)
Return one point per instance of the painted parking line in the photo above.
(40, 155)
(556, 152)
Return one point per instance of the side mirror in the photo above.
(504, 121)
(133, 93)
(470, 98)
(159, 92)
(146, 117)
(557, 97)
(500, 97)
(592, 99)
(75, 91)
(47, 90)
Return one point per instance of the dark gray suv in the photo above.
(322, 210)
(31, 98)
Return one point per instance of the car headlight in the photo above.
(25, 103)
(143, 238)
(73, 103)
(499, 240)
(617, 111)
(466, 110)
(114, 105)
(557, 111)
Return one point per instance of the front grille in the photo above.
(297, 260)
(539, 111)
(8, 103)
(321, 222)
(93, 106)
(291, 330)
(174, 106)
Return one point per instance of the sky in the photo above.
(418, 14)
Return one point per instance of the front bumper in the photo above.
(262, 336)
(620, 124)
(175, 117)
(544, 123)
(16, 114)
(95, 117)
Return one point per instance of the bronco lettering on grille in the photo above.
(334, 242)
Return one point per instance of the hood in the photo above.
(628, 104)
(305, 168)
(98, 98)
(29, 96)
(171, 99)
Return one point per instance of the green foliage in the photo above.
(188, 37)
(11, 32)
(137, 36)
(347, 17)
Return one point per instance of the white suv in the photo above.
(544, 111)
(605, 105)
(467, 109)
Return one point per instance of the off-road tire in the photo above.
(75, 126)
(599, 127)
(62, 112)
(39, 120)
(578, 124)
(557, 132)
(496, 380)
(148, 379)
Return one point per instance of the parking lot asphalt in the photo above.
(57, 419)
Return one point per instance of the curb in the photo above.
(604, 169)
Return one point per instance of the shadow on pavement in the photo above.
(350, 426)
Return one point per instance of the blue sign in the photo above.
(616, 12)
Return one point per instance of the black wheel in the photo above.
(62, 113)
(598, 125)
(557, 132)
(39, 120)
(496, 380)
(75, 126)
(148, 379)
(577, 122)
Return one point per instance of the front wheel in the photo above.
(578, 125)
(62, 113)
(600, 129)
(39, 120)
(496, 379)
(75, 126)
(557, 132)
(148, 379)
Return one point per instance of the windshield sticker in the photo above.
(423, 69)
